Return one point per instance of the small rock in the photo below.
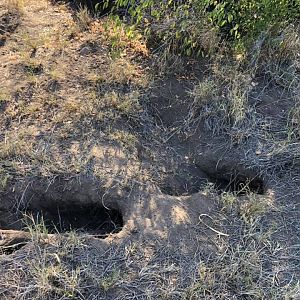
(85, 51)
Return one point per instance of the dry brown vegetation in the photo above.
(200, 159)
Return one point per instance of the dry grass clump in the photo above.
(5, 176)
(17, 143)
(204, 92)
(127, 104)
(278, 58)
(15, 5)
(83, 18)
(121, 71)
(244, 265)
(222, 99)
(294, 121)
(4, 96)
(49, 276)
(126, 139)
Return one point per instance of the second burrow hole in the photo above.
(191, 179)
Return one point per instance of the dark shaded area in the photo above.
(11, 249)
(190, 179)
(8, 24)
(90, 4)
(187, 179)
(34, 70)
(92, 219)
(239, 184)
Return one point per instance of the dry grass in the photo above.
(15, 5)
(83, 18)
(4, 178)
(222, 100)
(44, 70)
(48, 274)
(240, 267)
(279, 59)
(126, 139)
(4, 96)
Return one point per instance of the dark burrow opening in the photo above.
(190, 179)
(239, 184)
(56, 208)
(92, 219)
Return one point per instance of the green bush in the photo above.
(243, 20)
(181, 23)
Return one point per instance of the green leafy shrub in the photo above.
(244, 20)
(179, 26)
(186, 25)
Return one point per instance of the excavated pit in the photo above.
(91, 219)
(59, 207)
(191, 180)
(54, 217)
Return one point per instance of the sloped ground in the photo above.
(120, 181)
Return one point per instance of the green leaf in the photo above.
(223, 23)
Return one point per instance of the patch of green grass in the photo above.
(109, 281)
(4, 178)
(126, 139)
